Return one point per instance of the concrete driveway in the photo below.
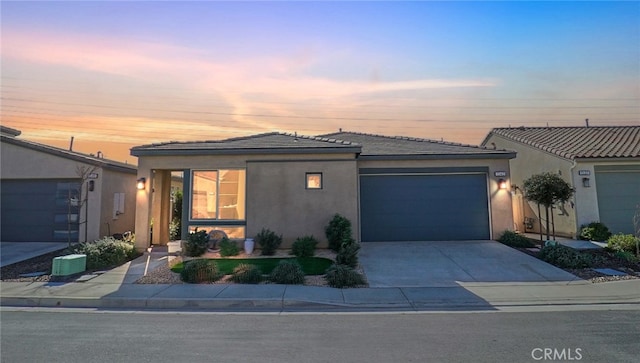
(448, 263)
(12, 252)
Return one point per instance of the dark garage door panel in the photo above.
(618, 197)
(424, 207)
(35, 211)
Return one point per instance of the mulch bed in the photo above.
(602, 259)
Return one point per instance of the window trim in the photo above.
(306, 181)
(217, 220)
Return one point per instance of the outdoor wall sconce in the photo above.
(502, 184)
(585, 182)
(91, 185)
(141, 183)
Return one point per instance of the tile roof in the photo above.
(72, 155)
(271, 142)
(388, 146)
(577, 142)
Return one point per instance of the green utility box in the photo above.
(69, 265)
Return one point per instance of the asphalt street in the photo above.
(58, 335)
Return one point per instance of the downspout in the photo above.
(575, 200)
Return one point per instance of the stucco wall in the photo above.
(530, 161)
(277, 198)
(500, 200)
(266, 205)
(117, 182)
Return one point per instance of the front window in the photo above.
(218, 194)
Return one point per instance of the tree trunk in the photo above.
(553, 224)
(546, 213)
(540, 223)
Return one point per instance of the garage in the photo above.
(39, 211)
(618, 196)
(424, 207)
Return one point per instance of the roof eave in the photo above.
(191, 152)
(501, 155)
(105, 164)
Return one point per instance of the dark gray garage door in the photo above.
(39, 211)
(618, 196)
(423, 207)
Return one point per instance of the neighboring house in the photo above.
(390, 188)
(601, 163)
(46, 197)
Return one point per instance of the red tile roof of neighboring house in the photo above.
(577, 142)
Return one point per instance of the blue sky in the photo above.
(209, 70)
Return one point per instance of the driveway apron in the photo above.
(448, 263)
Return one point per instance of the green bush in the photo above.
(175, 229)
(228, 248)
(627, 256)
(623, 242)
(344, 276)
(564, 257)
(337, 231)
(200, 270)
(594, 231)
(287, 272)
(348, 254)
(196, 243)
(514, 239)
(246, 274)
(268, 242)
(106, 252)
(304, 246)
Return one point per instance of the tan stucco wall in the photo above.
(116, 182)
(279, 222)
(530, 161)
(25, 163)
(278, 200)
(500, 200)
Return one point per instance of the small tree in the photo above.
(547, 189)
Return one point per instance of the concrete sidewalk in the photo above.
(116, 289)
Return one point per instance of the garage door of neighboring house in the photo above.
(618, 190)
(423, 207)
(39, 210)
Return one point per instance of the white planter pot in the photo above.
(248, 246)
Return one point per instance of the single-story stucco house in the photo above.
(56, 195)
(390, 188)
(601, 163)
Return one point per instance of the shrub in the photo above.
(344, 276)
(623, 242)
(246, 274)
(338, 230)
(106, 252)
(175, 229)
(348, 254)
(268, 242)
(594, 231)
(564, 257)
(304, 246)
(627, 256)
(514, 239)
(200, 270)
(196, 243)
(228, 248)
(287, 272)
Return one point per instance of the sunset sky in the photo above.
(120, 74)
